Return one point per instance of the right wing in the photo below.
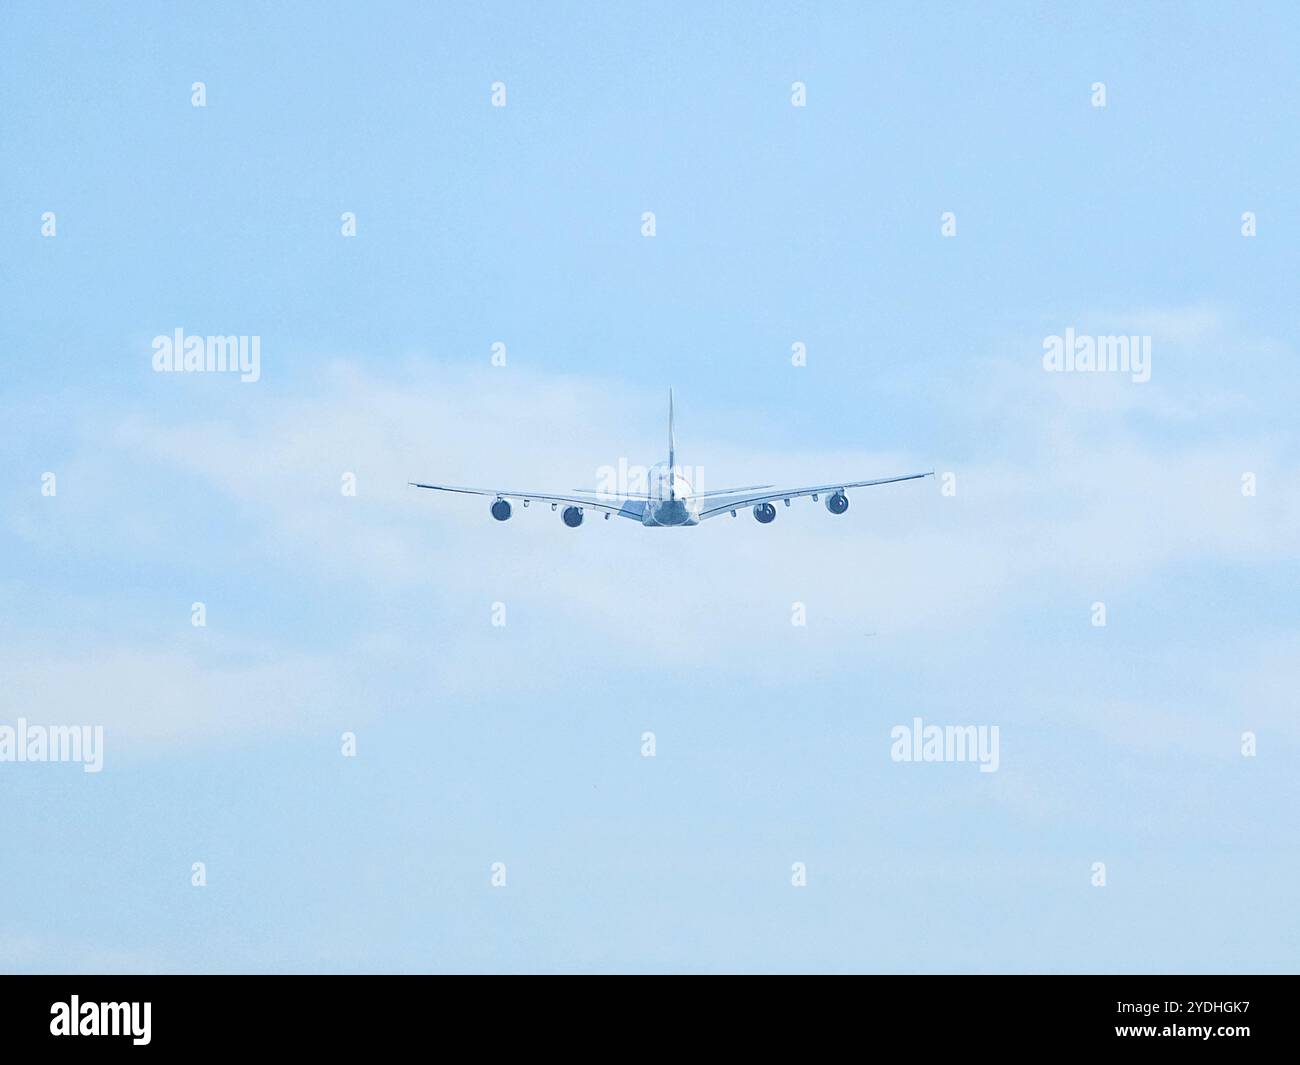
(624, 507)
(722, 504)
(732, 491)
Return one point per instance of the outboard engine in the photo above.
(501, 510)
(837, 503)
(765, 513)
(572, 516)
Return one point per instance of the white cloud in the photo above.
(156, 698)
(1068, 503)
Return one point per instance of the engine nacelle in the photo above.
(765, 513)
(501, 510)
(572, 516)
(837, 503)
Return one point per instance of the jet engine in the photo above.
(837, 503)
(501, 510)
(572, 516)
(765, 513)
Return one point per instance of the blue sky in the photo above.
(522, 744)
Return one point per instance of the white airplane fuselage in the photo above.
(672, 500)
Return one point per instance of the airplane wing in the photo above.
(732, 491)
(723, 504)
(624, 506)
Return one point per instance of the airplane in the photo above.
(671, 502)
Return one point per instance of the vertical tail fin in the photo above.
(672, 449)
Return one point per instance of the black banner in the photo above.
(167, 1014)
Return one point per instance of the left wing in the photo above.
(624, 507)
(723, 504)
